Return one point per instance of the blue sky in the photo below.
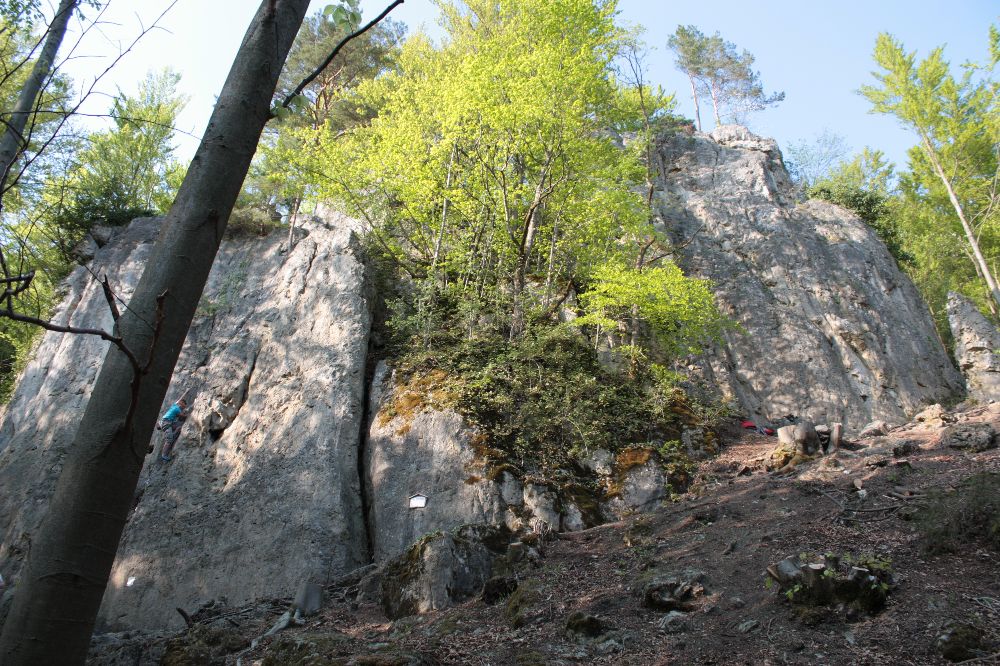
(817, 52)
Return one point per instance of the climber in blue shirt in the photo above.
(171, 424)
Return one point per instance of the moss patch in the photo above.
(203, 646)
(414, 394)
(309, 648)
(519, 604)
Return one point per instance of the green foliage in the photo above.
(680, 311)
(251, 221)
(951, 521)
(543, 396)
(717, 69)
(490, 164)
(957, 122)
(540, 398)
(106, 178)
(282, 176)
(124, 172)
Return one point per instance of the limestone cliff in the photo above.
(263, 491)
(272, 478)
(832, 330)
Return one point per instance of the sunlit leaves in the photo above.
(679, 310)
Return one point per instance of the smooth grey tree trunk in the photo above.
(697, 111)
(982, 267)
(60, 589)
(13, 141)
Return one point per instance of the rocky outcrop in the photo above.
(977, 348)
(40, 420)
(440, 570)
(263, 491)
(830, 329)
(428, 470)
(413, 453)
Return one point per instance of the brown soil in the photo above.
(740, 520)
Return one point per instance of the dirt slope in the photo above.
(739, 520)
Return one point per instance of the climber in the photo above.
(171, 424)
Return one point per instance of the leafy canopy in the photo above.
(957, 122)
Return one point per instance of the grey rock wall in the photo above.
(40, 420)
(977, 348)
(264, 490)
(426, 453)
(831, 329)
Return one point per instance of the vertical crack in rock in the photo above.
(220, 421)
(363, 489)
(309, 265)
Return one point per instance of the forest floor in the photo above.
(738, 520)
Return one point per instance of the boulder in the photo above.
(674, 591)
(874, 429)
(977, 348)
(934, 416)
(801, 437)
(440, 570)
(961, 641)
(830, 328)
(584, 625)
(973, 437)
(417, 447)
(639, 482)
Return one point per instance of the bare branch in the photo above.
(110, 298)
(333, 54)
(49, 326)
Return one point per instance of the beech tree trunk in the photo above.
(13, 141)
(60, 589)
(978, 259)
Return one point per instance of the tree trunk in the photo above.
(291, 221)
(715, 104)
(13, 141)
(524, 254)
(979, 259)
(444, 213)
(60, 589)
(697, 111)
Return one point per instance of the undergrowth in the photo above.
(970, 513)
(542, 400)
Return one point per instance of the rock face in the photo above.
(417, 449)
(425, 453)
(264, 490)
(40, 420)
(977, 348)
(427, 470)
(831, 329)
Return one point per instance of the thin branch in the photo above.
(49, 326)
(333, 54)
(109, 296)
